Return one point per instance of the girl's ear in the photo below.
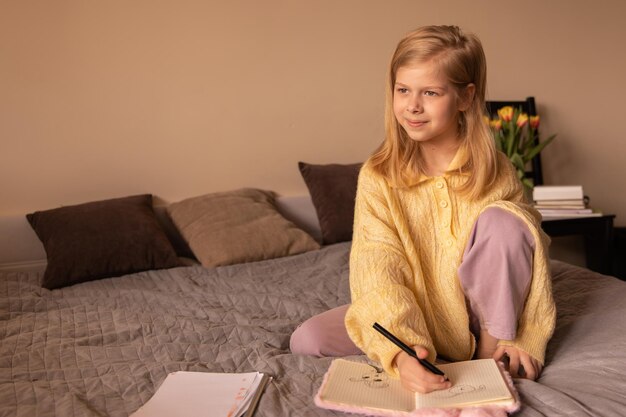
(467, 96)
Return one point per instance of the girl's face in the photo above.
(425, 104)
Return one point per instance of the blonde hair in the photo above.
(462, 59)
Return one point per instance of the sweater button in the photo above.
(443, 203)
(439, 184)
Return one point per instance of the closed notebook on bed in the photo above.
(360, 387)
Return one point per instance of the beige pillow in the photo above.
(237, 226)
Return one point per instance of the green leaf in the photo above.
(534, 151)
(510, 142)
(518, 161)
(528, 143)
(528, 183)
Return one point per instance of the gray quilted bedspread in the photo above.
(103, 348)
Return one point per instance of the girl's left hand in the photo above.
(530, 367)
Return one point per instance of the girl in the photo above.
(445, 250)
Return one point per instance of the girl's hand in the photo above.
(414, 376)
(530, 367)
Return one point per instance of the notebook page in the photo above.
(360, 384)
(474, 382)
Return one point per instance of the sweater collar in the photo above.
(454, 169)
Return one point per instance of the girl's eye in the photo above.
(402, 90)
(430, 93)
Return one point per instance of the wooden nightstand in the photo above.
(598, 235)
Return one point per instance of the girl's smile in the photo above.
(415, 123)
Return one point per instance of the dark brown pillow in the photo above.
(101, 239)
(333, 191)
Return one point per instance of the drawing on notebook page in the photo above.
(376, 378)
(457, 390)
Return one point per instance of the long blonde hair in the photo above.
(462, 60)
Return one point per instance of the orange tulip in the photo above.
(534, 122)
(522, 119)
(506, 113)
(495, 124)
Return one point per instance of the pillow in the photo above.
(237, 226)
(101, 239)
(333, 191)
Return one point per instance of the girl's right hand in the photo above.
(415, 377)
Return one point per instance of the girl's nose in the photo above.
(414, 106)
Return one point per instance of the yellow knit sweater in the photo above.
(407, 246)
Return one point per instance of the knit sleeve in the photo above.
(379, 272)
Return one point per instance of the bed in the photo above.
(103, 346)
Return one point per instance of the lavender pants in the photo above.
(495, 275)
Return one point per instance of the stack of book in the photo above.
(562, 202)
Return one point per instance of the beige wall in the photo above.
(178, 98)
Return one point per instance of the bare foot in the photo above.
(487, 345)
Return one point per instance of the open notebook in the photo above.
(361, 387)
